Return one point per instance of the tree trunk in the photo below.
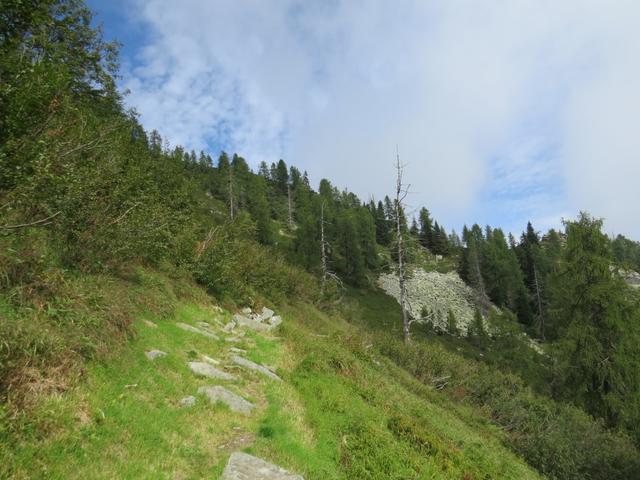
(539, 301)
(401, 274)
(290, 206)
(231, 199)
(323, 252)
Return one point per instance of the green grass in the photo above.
(341, 412)
(369, 419)
(124, 420)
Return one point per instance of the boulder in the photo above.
(266, 314)
(247, 322)
(275, 321)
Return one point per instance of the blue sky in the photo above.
(503, 111)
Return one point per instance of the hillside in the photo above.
(134, 276)
(342, 409)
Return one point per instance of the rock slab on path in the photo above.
(207, 370)
(191, 328)
(235, 402)
(153, 354)
(242, 466)
(243, 362)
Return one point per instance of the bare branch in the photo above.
(202, 246)
(38, 223)
(124, 214)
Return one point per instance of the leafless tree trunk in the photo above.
(231, 199)
(539, 301)
(323, 245)
(290, 205)
(401, 193)
(324, 248)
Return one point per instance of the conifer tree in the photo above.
(596, 322)
(426, 228)
(383, 231)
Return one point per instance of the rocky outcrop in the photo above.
(632, 278)
(435, 293)
(261, 322)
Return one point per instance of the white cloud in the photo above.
(503, 110)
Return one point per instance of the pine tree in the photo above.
(426, 228)
(259, 208)
(281, 177)
(383, 230)
(414, 231)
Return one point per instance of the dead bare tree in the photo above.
(289, 201)
(324, 247)
(401, 193)
(231, 199)
(539, 302)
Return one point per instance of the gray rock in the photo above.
(189, 401)
(246, 310)
(242, 466)
(191, 328)
(210, 360)
(275, 321)
(205, 325)
(149, 323)
(153, 354)
(247, 322)
(439, 293)
(266, 314)
(229, 327)
(207, 370)
(243, 362)
(237, 350)
(235, 402)
(632, 278)
(232, 340)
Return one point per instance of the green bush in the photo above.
(559, 440)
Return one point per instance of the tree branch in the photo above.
(37, 223)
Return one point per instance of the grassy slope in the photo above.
(342, 412)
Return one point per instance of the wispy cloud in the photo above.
(504, 111)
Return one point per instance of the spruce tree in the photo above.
(426, 228)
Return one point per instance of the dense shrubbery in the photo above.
(557, 439)
(231, 264)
